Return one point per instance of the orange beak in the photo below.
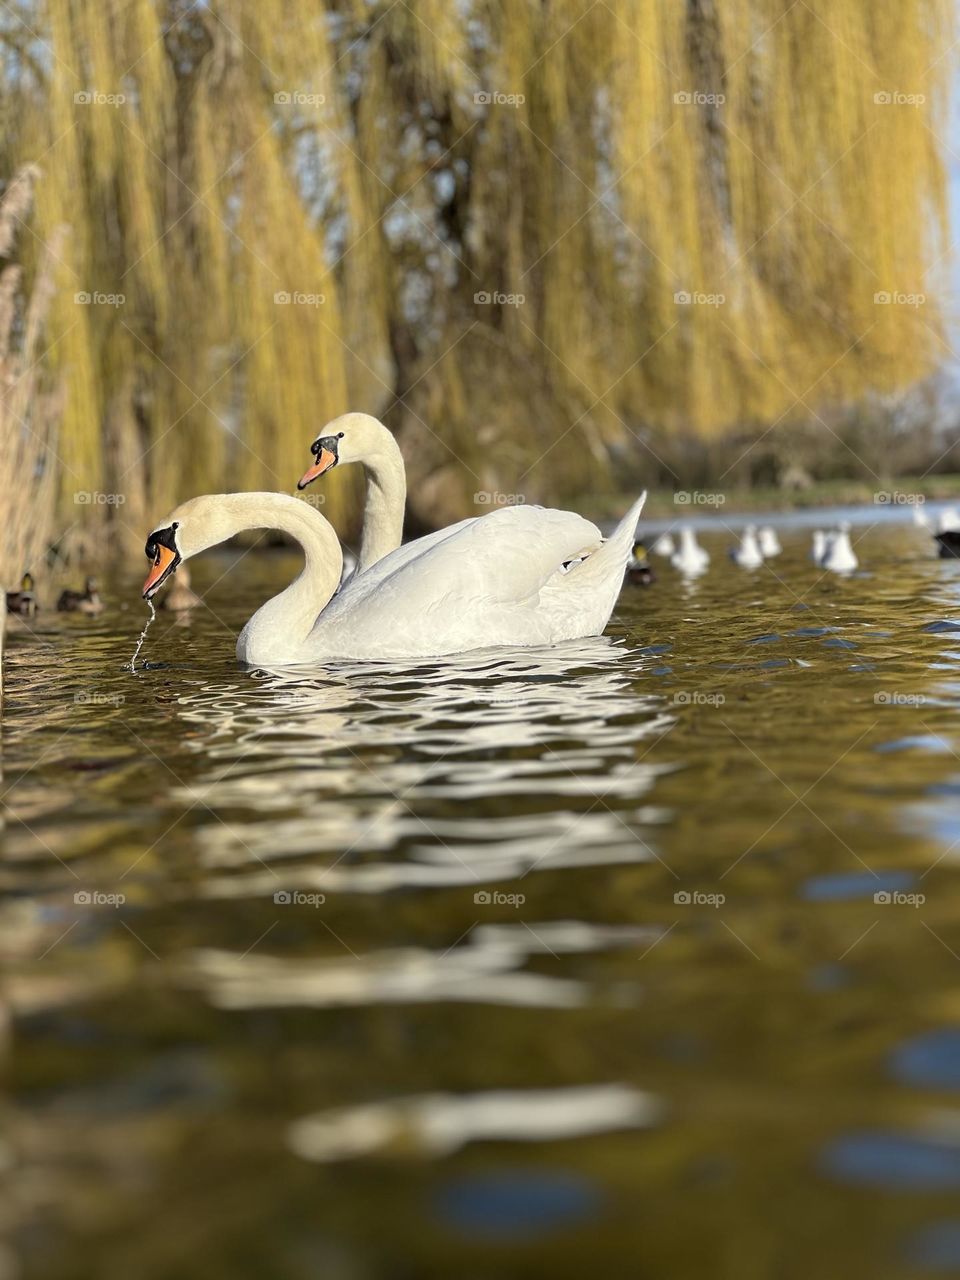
(325, 460)
(164, 560)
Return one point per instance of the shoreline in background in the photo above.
(892, 500)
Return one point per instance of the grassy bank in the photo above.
(663, 505)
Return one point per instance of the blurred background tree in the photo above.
(547, 240)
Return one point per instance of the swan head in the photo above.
(353, 437)
(193, 527)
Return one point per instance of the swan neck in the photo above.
(385, 504)
(287, 619)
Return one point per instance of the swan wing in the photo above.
(518, 576)
(502, 557)
(480, 584)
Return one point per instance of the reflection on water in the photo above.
(637, 955)
(436, 1124)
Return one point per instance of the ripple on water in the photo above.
(516, 1204)
(931, 1060)
(894, 1161)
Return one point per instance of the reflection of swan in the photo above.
(500, 579)
(379, 759)
(433, 1124)
(487, 967)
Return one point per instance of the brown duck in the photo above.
(86, 601)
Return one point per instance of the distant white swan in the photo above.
(821, 542)
(691, 559)
(839, 556)
(769, 542)
(501, 579)
(748, 555)
(663, 546)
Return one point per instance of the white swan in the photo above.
(500, 579)
(358, 437)
(748, 555)
(839, 556)
(691, 559)
(769, 542)
(663, 545)
(821, 541)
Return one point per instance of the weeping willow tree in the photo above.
(529, 233)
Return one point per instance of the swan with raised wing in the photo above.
(518, 576)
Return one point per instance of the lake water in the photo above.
(636, 957)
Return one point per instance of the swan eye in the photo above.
(339, 435)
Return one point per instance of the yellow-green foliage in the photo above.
(646, 148)
(29, 403)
